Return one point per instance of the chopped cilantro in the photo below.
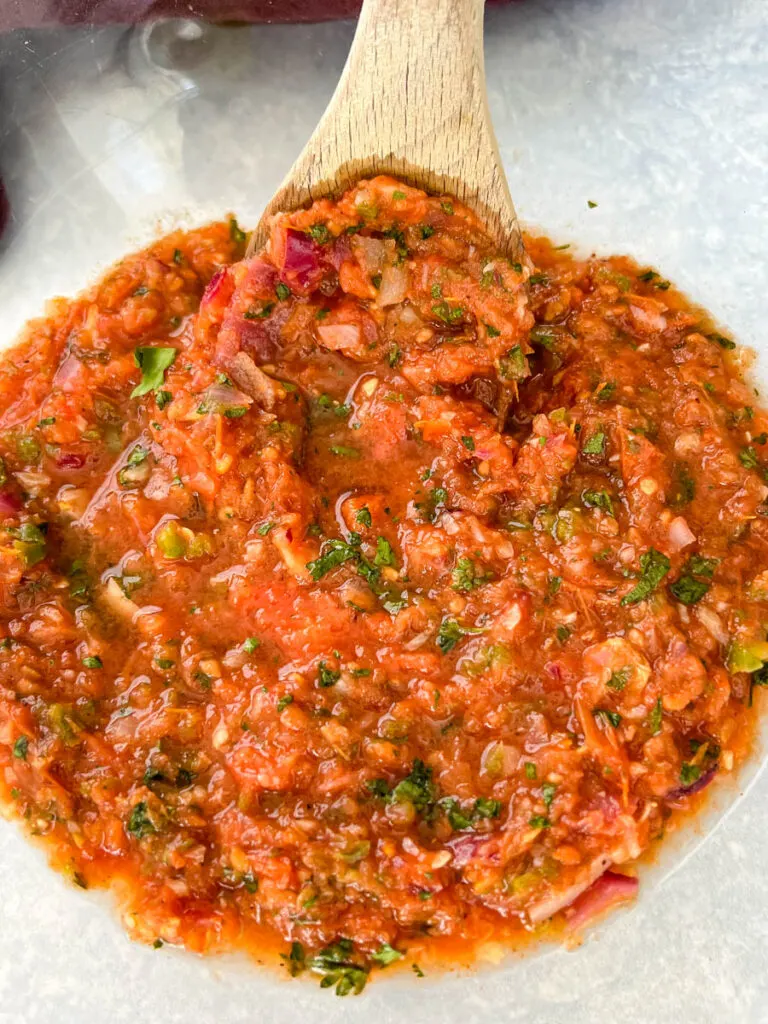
(688, 590)
(619, 679)
(295, 959)
(613, 717)
(469, 443)
(548, 791)
(384, 553)
(416, 788)
(235, 232)
(321, 234)
(364, 516)
(250, 644)
(654, 566)
(92, 661)
(486, 808)
(493, 332)
(326, 676)
(465, 576)
(386, 954)
(283, 703)
(378, 787)
(530, 770)
(457, 819)
(139, 822)
(260, 312)
(701, 566)
(20, 748)
(689, 773)
(606, 391)
(153, 362)
(449, 634)
(595, 445)
(748, 458)
(598, 499)
(282, 291)
(513, 365)
(394, 355)
(344, 451)
(539, 821)
(338, 970)
(722, 341)
(448, 314)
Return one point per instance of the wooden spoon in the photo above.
(411, 102)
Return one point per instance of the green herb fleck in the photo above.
(235, 232)
(384, 553)
(654, 566)
(465, 576)
(595, 445)
(386, 954)
(139, 822)
(619, 679)
(689, 773)
(598, 499)
(153, 362)
(326, 676)
(613, 717)
(606, 391)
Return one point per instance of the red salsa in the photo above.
(374, 598)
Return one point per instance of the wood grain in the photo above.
(411, 102)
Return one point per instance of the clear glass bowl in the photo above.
(656, 112)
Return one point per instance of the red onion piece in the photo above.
(340, 250)
(218, 291)
(302, 253)
(302, 259)
(607, 892)
(70, 460)
(261, 277)
(9, 503)
(468, 848)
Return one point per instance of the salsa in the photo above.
(373, 598)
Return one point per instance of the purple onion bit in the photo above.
(695, 787)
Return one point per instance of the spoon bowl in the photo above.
(411, 102)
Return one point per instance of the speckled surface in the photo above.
(656, 110)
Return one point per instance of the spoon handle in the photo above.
(411, 102)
